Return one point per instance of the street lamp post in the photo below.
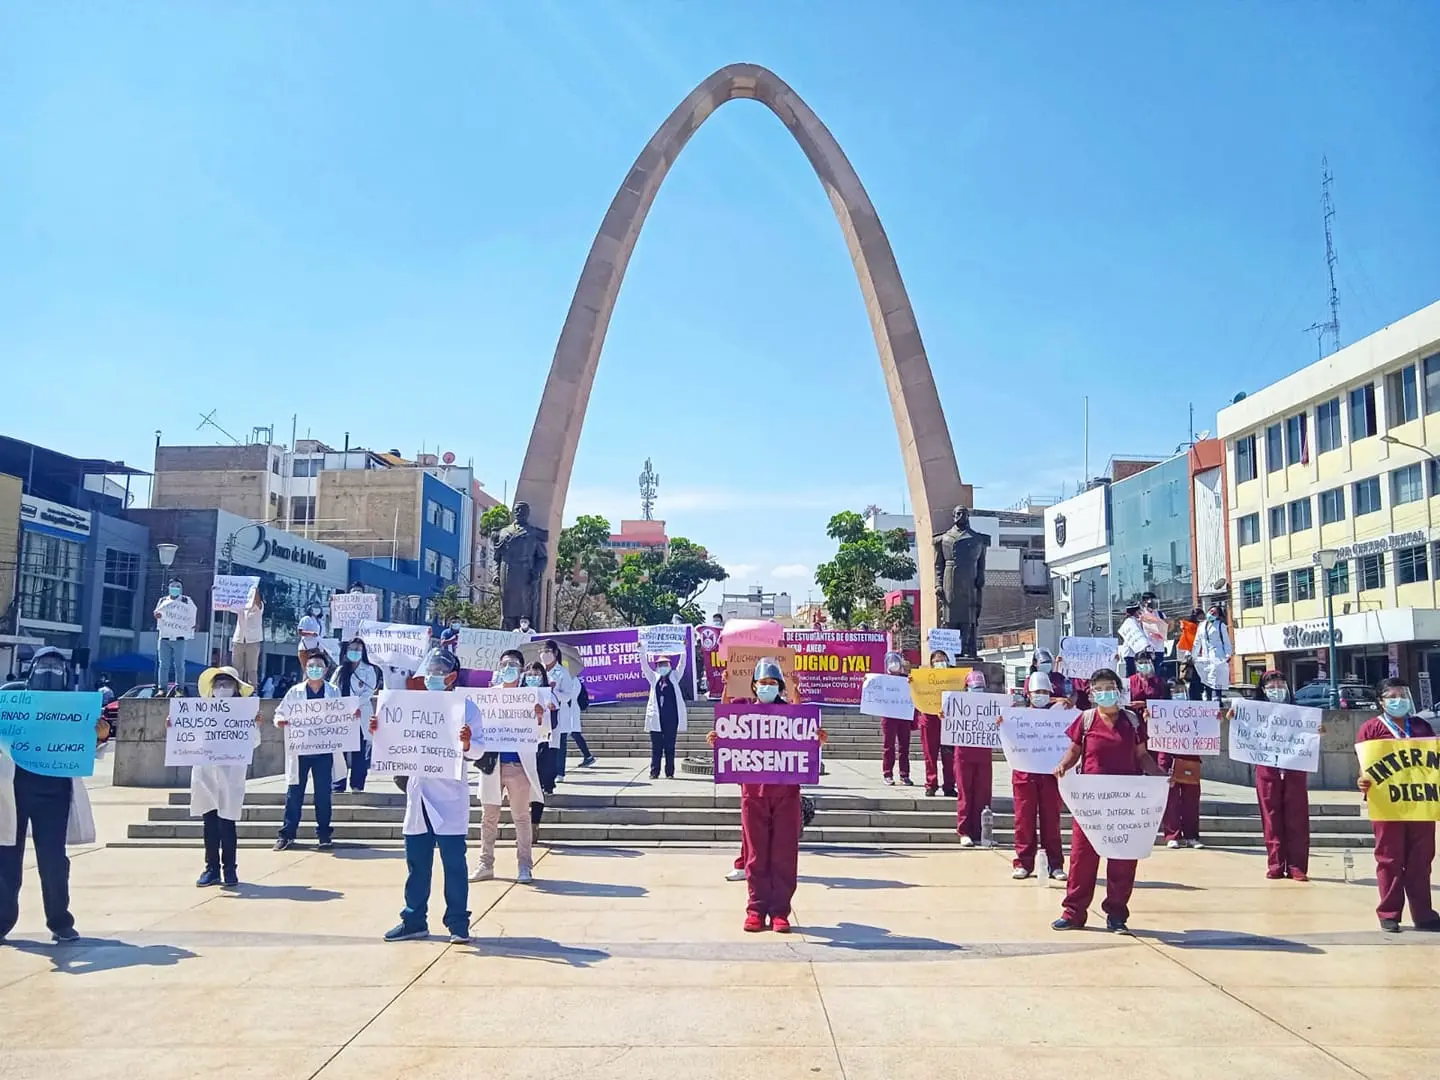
(413, 603)
(1328, 557)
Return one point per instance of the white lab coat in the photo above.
(217, 787)
(79, 829)
(446, 802)
(566, 688)
(292, 763)
(1212, 642)
(652, 707)
(365, 680)
(492, 793)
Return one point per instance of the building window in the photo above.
(432, 512)
(1245, 459)
(275, 465)
(1362, 412)
(50, 576)
(1332, 506)
(1327, 425)
(1411, 565)
(122, 578)
(302, 509)
(1367, 496)
(1297, 447)
(1372, 572)
(1280, 586)
(122, 569)
(447, 568)
(1431, 367)
(1402, 403)
(447, 520)
(1300, 518)
(1406, 485)
(1304, 581)
(1337, 581)
(305, 466)
(1252, 594)
(1274, 448)
(117, 609)
(1249, 529)
(1277, 522)
(432, 562)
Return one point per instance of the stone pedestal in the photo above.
(139, 746)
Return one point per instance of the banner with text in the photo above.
(1034, 740)
(1119, 815)
(417, 733)
(665, 639)
(707, 655)
(1184, 727)
(612, 663)
(767, 744)
(1081, 657)
(232, 592)
(504, 720)
(1404, 777)
(211, 731)
(888, 696)
(50, 732)
(748, 632)
(831, 665)
(479, 650)
(1281, 736)
(927, 684)
(349, 609)
(177, 619)
(320, 725)
(970, 719)
(399, 645)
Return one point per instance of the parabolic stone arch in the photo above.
(930, 469)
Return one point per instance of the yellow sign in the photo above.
(927, 684)
(1404, 777)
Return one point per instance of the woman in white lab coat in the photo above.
(299, 767)
(217, 791)
(514, 775)
(566, 688)
(357, 677)
(664, 711)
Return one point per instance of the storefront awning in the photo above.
(1388, 627)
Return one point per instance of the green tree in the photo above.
(850, 581)
(495, 519)
(451, 604)
(585, 569)
(653, 586)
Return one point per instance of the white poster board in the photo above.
(417, 733)
(349, 609)
(887, 696)
(211, 731)
(1281, 736)
(665, 638)
(1119, 815)
(1081, 657)
(503, 720)
(232, 592)
(948, 641)
(320, 725)
(479, 650)
(1184, 727)
(1034, 740)
(398, 645)
(969, 719)
(177, 619)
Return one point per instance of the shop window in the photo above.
(1297, 443)
(1278, 525)
(1362, 412)
(1402, 402)
(1245, 459)
(1248, 528)
(1372, 572)
(1300, 519)
(1280, 588)
(1252, 594)
(1327, 425)
(1411, 565)
(1367, 496)
(1332, 506)
(1304, 582)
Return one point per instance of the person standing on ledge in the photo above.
(171, 640)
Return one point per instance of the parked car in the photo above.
(150, 690)
(1353, 695)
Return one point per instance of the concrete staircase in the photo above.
(619, 731)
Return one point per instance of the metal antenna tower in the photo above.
(1327, 206)
(208, 419)
(649, 485)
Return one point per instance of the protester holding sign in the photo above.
(1284, 802)
(974, 774)
(309, 631)
(1404, 850)
(1182, 813)
(896, 732)
(217, 792)
(566, 688)
(248, 638)
(509, 674)
(1104, 740)
(300, 767)
(1037, 801)
(939, 762)
(1062, 687)
(175, 617)
(357, 677)
(512, 774)
(1212, 652)
(52, 805)
(664, 711)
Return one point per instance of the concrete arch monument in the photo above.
(930, 469)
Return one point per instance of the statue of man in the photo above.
(520, 553)
(960, 579)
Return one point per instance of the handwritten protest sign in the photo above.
(479, 650)
(767, 744)
(740, 669)
(1278, 735)
(177, 619)
(320, 725)
(1081, 657)
(396, 644)
(946, 640)
(887, 695)
(668, 639)
(418, 734)
(1404, 777)
(927, 684)
(765, 633)
(349, 609)
(211, 731)
(969, 719)
(1119, 815)
(1034, 740)
(1184, 727)
(232, 592)
(504, 720)
(50, 732)
(1157, 631)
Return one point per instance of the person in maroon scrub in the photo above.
(1037, 802)
(896, 732)
(1404, 850)
(1284, 803)
(974, 773)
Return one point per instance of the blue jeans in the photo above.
(359, 762)
(320, 767)
(171, 652)
(420, 864)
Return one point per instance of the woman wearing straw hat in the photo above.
(217, 791)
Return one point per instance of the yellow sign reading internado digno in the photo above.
(1404, 777)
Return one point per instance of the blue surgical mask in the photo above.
(767, 693)
(662, 670)
(534, 680)
(1046, 666)
(314, 671)
(175, 592)
(434, 682)
(355, 655)
(1145, 669)
(1039, 700)
(941, 664)
(1277, 694)
(509, 673)
(1106, 699)
(1398, 706)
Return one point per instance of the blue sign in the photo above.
(51, 733)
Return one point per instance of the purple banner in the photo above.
(767, 744)
(612, 663)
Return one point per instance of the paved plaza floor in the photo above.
(630, 962)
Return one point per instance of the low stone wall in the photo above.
(1339, 768)
(139, 746)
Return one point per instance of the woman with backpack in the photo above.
(357, 677)
(1104, 740)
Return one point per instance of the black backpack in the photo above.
(583, 698)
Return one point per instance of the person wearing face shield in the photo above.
(513, 776)
(1404, 850)
(309, 632)
(1037, 801)
(54, 810)
(1212, 643)
(664, 711)
(974, 774)
(217, 792)
(1181, 824)
(1284, 802)
(172, 632)
(939, 762)
(1071, 691)
(896, 732)
(300, 767)
(357, 677)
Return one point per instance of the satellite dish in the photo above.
(1238, 398)
(1202, 435)
(448, 458)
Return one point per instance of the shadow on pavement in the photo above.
(543, 949)
(856, 883)
(588, 888)
(1175, 886)
(360, 854)
(1226, 940)
(102, 954)
(829, 851)
(598, 852)
(861, 937)
(303, 893)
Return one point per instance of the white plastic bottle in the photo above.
(987, 827)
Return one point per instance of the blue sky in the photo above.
(372, 215)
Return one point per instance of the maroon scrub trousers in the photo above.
(771, 819)
(1285, 819)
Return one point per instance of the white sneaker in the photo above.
(1196, 844)
(1019, 873)
(1172, 844)
(482, 874)
(965, 841)
(524, 877)
(736, 875)
(1057, 875)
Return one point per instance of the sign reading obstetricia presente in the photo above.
(767, 744)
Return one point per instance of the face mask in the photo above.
(941, 664)
(509, 673)
(175, 592)
(314, 672)
(1398, 706)
(662, 670)
(978, 690)
(222, 690)
(434, 682)
(534, 680)
(893, 669)
(1211, 617)
(1145, 669)
(455, 625)
(525, 626)
(355, 655)
(1106, 699)
(48, 678)
(1046, 666)
(767, 693)
(1040, 701)
(1277, 694)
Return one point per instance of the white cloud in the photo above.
(790, 572)
(739, 570)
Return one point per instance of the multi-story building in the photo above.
(639, 535)
(1339, 461)
(755, 603)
